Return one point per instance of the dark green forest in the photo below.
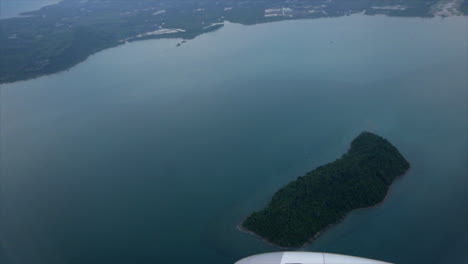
(322, 197)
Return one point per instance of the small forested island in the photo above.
(303, 208)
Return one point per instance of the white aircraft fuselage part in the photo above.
(293, 257)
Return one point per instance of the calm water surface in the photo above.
(151, 153)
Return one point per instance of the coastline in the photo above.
(26, 67)
(243, 230)
(321, 232)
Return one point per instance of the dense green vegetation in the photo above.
(59, 36)
(308, 205)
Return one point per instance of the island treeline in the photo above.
(311, 203)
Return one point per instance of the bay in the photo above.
(152, 153)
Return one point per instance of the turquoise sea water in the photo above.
(152, 153)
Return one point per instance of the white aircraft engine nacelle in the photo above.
(305, 258)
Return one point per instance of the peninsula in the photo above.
(57, 37)
(310, 204)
